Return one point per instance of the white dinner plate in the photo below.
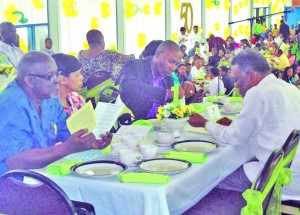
(99, 169)
(202, 146)
(164, 165)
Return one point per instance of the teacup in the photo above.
(164, 138)
(148, 151)
(131, 140)
(116, 147)
(129, 156)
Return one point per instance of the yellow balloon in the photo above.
(70, 8)
(209, 33)
(73, 53)
(23, 46)
(235, 33)
(269, 2)
(226, 32)
(142, 40)
(105, 9)
(38, 4)
(235, 9)
(146, 9)
(174, 37)
(246, 3)
(129, 9)
(157, 8)
(226, 5)
(241, 29)
(209, 4)
(177, 4)
(8, 14)
(217, 26)
(113, 47)
(283, 2)
(94, 23)
(263, 2)
(256, 1)
(241, 4)
(85, 45)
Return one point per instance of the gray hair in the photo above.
(251, 60)
(28, 62)
(167, 45)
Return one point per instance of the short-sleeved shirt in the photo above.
(21, 127)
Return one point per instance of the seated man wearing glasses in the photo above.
(33, 119)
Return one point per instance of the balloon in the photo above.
(174, 37)
(209, 4)
(73, 53)
(177, 4)
(70, 8)
(23, 46)
(38, 4)
(241, 29)
(235, 33)
(241, 4)
(105, 9)
(217, 26)
(85, 45)
(9, 14)
(146, 9)
(246, 3)
(129, 9)
(235, 9)
(94, 23)
(157, 8)
(226, 5)
(226, 32)
(142, 40)
(113, 47)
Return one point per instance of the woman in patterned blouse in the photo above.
(70, 82)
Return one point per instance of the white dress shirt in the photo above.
(197, 73)
(13, 53)
(213, 90)
(271, 110)
(47, 51)
(194, 38)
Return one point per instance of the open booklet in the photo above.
(98, 121)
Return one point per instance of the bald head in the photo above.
(32, 63)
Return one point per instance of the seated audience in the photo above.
(8, 41)
(216, 85)
(183, 49)
(244, 44)
(214, 59)
(188, 70)
(145, 84)
(48, 47)
(70, 82)
(198, 70)
(180, 72)
(230, 41)
(33, 121)
(96, 59)
(288, 74)
(282, 63)
(270, 112)
(227, 80)
(216, 42)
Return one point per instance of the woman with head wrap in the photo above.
(70, 82)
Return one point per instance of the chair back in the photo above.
(290, 147)
(17, 197)
(97, 78)
(108, 94)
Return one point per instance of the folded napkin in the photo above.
(145, 178)
(188, 156)
(62, 168)
(106, 150)
(213, 98)
(229, 117)
(236, 99)
(144, 123)
(199, 108)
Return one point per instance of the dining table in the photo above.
(110, 196)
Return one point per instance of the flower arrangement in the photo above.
(7, 69)
(174, 111)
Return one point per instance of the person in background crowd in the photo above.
(216, 42)
(8, 39)
(275, 30)
(33, 120)
(187, 73)
(195, 38)
(150, 49)
(284, 29)
(227, 80)
(145, 84)
(282, 63)
(180, 72)
(217, 85)
(198, 70)
(230, 41)
(292, 30)
(48, 47)
(244, 44)
(288, 75)
(183, 37)
(183, 49)
(98, 62)
(264, 122)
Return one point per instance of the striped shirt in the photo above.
(13, 53)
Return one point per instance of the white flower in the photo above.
(166, 113)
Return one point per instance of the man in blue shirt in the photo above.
(32, 122)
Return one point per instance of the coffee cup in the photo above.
(164, 138)
(148, 151)
(116, 147)
(129, 156)
(131, 140)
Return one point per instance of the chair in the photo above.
(108, 94)
(263, 196)
(290, 147)
(46, 197)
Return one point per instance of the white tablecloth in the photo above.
(110, 197)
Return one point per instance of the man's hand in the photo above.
(196, 120)
(77, 142)
(224, 121)
(171, 93)
(103, 142)
(188, 88)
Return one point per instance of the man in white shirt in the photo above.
(271, 110)
(198, 70)
(48, 47)
(8, 39)
(195, 37)
(183, 37)
(278, 39)
(216, 85)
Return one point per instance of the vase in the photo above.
(175, 125)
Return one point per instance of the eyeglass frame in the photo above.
(54, 76)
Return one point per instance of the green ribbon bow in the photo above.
(254, 200)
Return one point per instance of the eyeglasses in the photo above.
(50, 78)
